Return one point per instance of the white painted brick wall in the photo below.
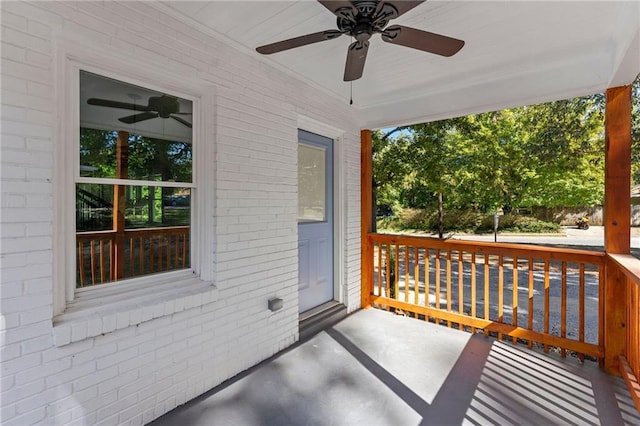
(133, 374)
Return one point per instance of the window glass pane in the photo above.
(155, 236)
(141, 157)
(311, 184)
(144, 207)
(131, 132)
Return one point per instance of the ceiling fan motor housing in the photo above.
(164, 105)
(371, 18)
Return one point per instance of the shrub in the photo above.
(464, 221)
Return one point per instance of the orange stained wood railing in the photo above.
(144, 251)
(528, 294)
(629, 266)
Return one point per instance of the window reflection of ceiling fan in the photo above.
(164, 106)
(360, 19)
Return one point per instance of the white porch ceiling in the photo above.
(516, 53)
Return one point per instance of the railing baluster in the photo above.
(151, 248)
(93, 262)
(514, 303)
(112, 259)
(406, 273)
(634, 328)
(500, 292)
(81, 262)
(601, 311)
(416, 275)
(563, 307)
(177, 256)
(380, 266)
(387, 261)
(396, 269)
(132, 272)
(486, 291)
(164, 243)
(437, 279)
(449, 284)
(530, 294)
(427, 278)
(581, 297)
(169, 251)
(102, 261)
(546, 301)
(473, 288)
(141, 254)
(460, 287)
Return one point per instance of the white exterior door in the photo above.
(315, 220)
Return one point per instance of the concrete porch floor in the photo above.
(377, 368)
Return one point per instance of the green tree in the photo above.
(541, 155)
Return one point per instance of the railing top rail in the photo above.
(138, 231)
(629, 265)
(521, 250)
(91, 235)
(158, 230)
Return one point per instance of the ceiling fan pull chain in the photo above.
(351, 93)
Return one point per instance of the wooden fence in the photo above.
(141, 252)
(528, 294)
(629, 266)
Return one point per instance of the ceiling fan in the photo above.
(360, 19)
(164, 106)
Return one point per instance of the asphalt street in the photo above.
(570, 236)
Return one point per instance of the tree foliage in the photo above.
(540, 155)
(148, 158)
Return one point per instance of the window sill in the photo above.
(109, 307)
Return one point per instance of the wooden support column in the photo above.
(366, 216)
(119, 203)
(617, 218)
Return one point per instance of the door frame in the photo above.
(314, 126)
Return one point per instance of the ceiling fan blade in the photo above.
(181, 120)
(298, 41)
(422, 40)
(403, 6)
(356, 57)
(116, 104)
(135, 118)
(335, 5)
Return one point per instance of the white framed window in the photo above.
(133, 181)
(131, 214)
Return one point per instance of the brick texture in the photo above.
(145, 363)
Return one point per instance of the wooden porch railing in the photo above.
(146, 251)
(629, 266)
(531, 294)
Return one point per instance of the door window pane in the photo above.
(311, 183)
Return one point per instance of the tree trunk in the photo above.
(440, 216)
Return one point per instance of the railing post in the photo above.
(366, 216)
(119, 202)
(617, 221)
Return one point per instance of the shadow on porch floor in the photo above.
(376, 368)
